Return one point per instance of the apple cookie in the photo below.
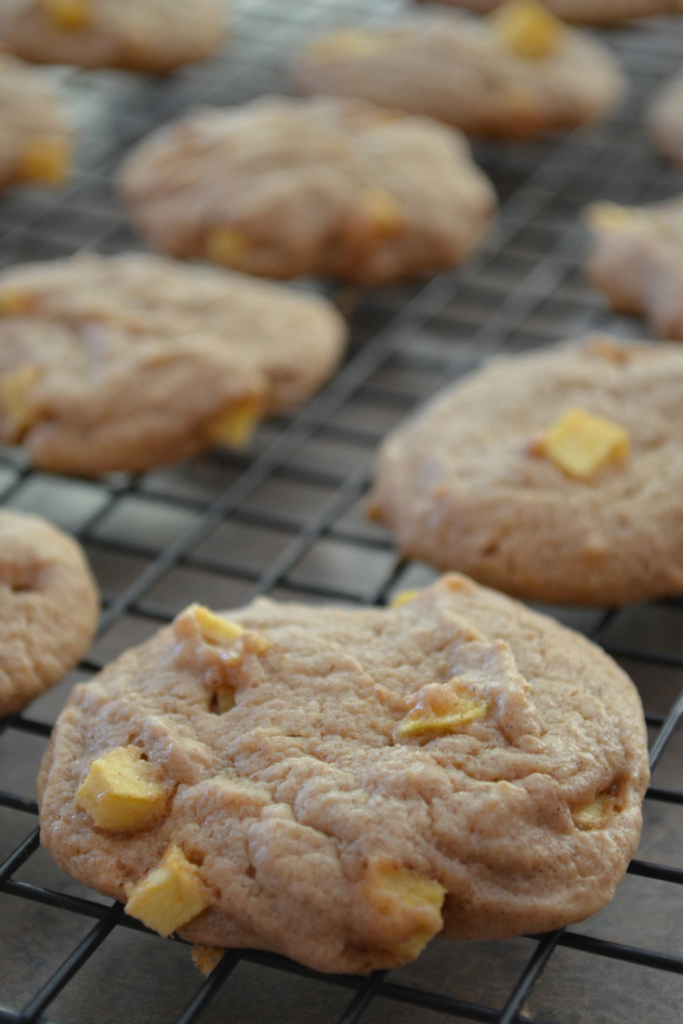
(144, 35)
(637, 261)
(518, 73)
(282, 187)
(128, 362)
(49, 607)
(35, 142)
(606, 12)
(665, 119)
(341, 785)
(553, 475)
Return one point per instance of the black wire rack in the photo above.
(286, 519)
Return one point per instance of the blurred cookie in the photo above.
(518, 73)
(637, 261)
(283, 187)
(665, 119)
(554, 475)
(128, 362)
(592, 12)
(35, 142)
(341, 785)
(144, 35)
(48, 607)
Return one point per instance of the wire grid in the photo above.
(286, 519)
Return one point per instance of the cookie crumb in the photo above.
(207, 958)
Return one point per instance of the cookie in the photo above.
(132, 361)
(553, 475)
(606, 12)
(35, 142)
(282, 187)
(665, 119)
(49, 607)
(637, 261)
(144, 35)
(341, 785)
(519, 73)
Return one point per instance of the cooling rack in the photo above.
(286, 518)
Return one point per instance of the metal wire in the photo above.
(214, 525)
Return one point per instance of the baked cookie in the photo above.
(35, 142)
(553, 475)
(637, 261)
(592, 12)
(282, 187)
(144, 35)
(519, 73)
(48, 607)
(341, 785)
(665, 119)
(127, 362)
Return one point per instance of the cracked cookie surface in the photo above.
(144, 35)
(132, 361)
(467, 485)
(304, 816)
(283, 187)
(49, 607)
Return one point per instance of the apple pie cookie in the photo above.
(144, 35)
(340, 786)
(128, 362)
(518, 73)
(49, 607)
(283, 187)
(35, 140)
(554, 475)
(637, 261)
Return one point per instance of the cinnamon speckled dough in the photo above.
(130, 359)
(290, 801)
(34, 137)
(665, 119)
(593, 12)
(144, 35)
(48, 607)
(456, 68)
(637, 261)
(318, 186)
(460, 487)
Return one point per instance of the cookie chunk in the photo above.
(49, 607)
(128, 362)
(35, 142)
(456, 765)
(553, 475)
(606, 12)
(144, 35)
(665, 119)
(282, 187)
(517, 73)
(637, 261)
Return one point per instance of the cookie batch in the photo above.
(341, 785)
